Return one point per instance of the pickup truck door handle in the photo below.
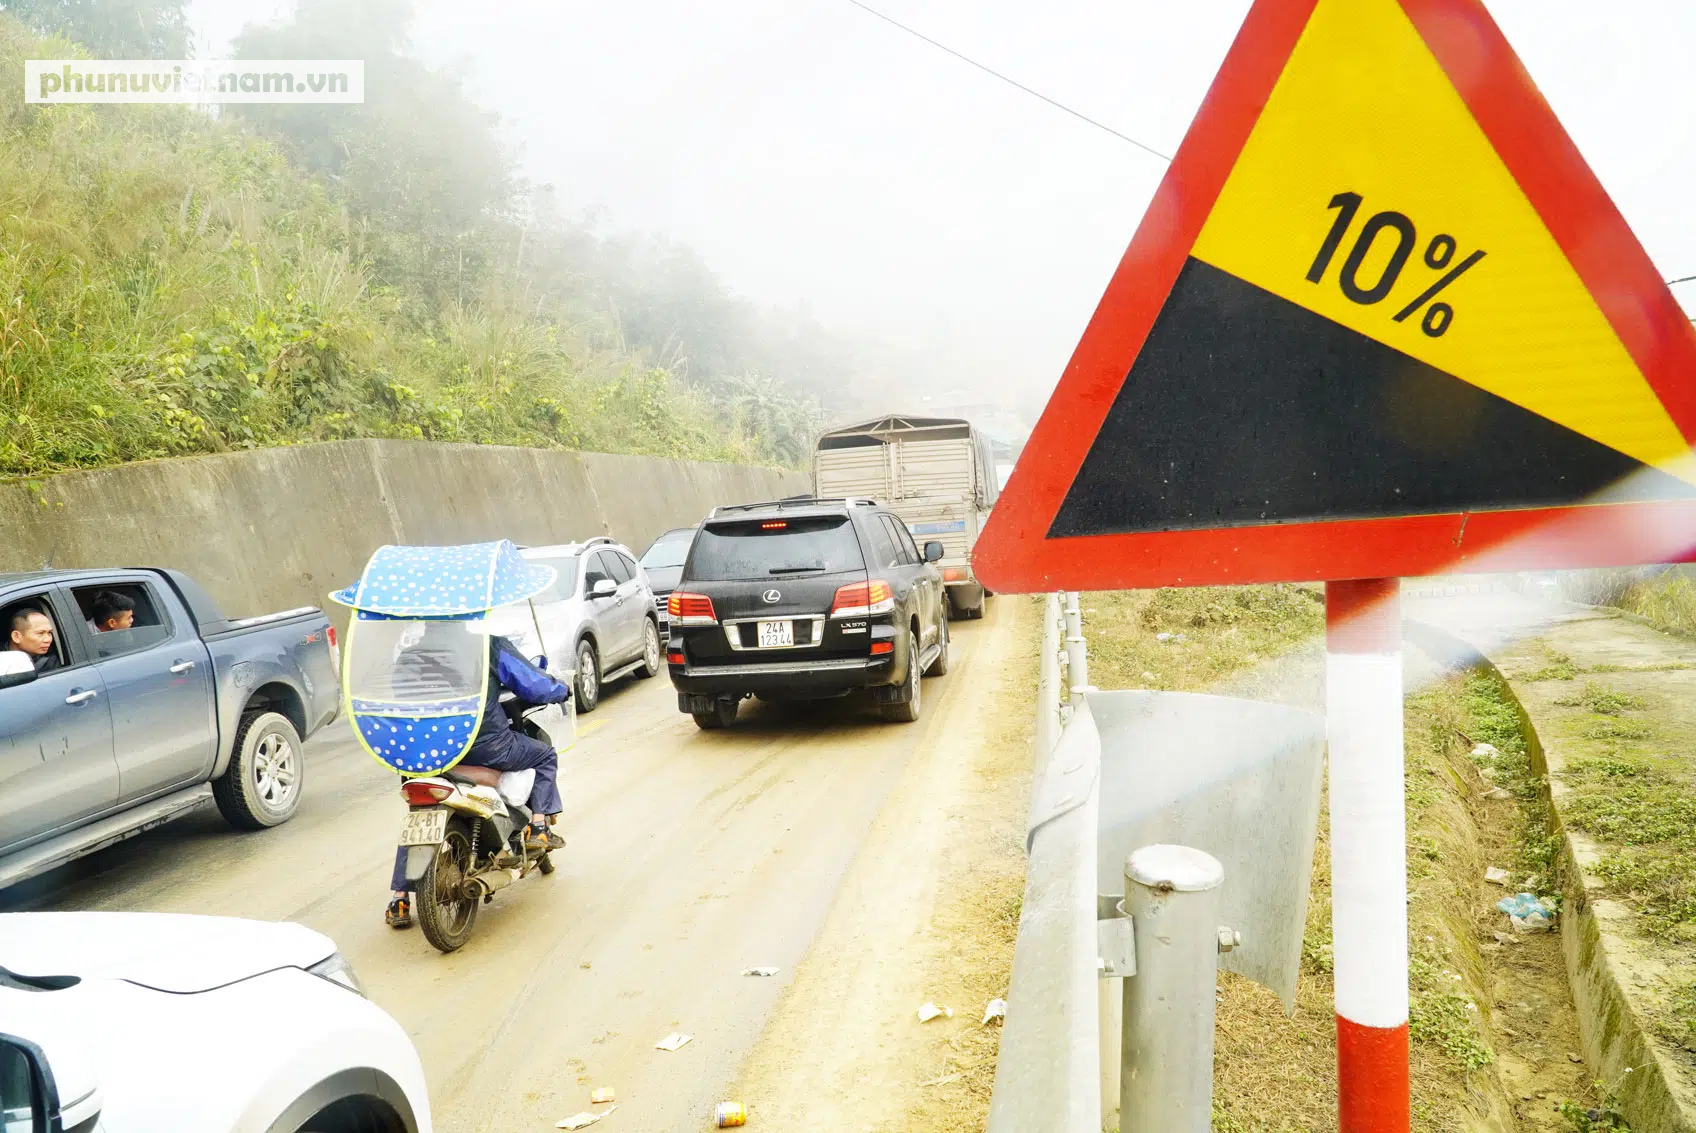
(81, 697)
(182, 666)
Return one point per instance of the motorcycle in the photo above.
(414, 684)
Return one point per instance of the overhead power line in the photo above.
(1009, 81)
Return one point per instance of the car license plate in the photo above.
(425, 827)
(775, 635)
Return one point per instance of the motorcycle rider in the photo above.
(502, 748)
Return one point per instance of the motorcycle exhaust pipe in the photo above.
(486, 884)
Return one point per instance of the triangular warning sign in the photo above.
(1379, 320)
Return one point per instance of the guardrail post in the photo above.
(1172, 897)
(1077, 658)
(1048, 684)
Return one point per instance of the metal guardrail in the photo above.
(1110, 1008)
(1048, 1074)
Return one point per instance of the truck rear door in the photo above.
(158, 678)
(56, 763)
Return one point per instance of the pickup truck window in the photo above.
(114, 630)
(42, 604)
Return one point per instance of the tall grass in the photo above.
(170, 284)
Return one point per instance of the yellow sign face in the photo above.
(1368, 194)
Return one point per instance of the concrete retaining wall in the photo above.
(279, 528)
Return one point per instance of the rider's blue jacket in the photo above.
(509, 669)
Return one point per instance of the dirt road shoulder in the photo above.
(927, 912)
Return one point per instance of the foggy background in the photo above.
(819, 159)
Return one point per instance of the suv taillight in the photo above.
(690, 609)
(335, 653)
(862, 599)
(425, 792)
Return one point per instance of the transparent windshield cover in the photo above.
(403, 664)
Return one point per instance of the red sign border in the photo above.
(1015, 553)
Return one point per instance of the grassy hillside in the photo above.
(171, 283)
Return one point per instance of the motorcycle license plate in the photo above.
(424, 827)
(776, 635)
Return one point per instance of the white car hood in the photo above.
(165, 951)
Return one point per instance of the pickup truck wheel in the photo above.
(651, 660)
(588, 677)
(939, 667)
(906, 710)
(261, 786)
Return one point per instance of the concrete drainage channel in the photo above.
(1602, 969)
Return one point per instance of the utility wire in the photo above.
(1009, 81)
(1082, 117)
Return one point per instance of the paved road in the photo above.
(690, 856)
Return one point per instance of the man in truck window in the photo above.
(32, 633)
(109, 611)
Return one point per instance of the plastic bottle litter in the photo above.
(729, 1115)
(995, 1010)
(1526, 913)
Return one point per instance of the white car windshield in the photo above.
(565, 580)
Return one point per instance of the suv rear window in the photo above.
(761, 548)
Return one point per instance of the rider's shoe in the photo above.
(399, 913)
(539, 839)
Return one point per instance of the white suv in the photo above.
(140, 1022)
(597, 620)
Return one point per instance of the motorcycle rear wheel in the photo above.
(447, 920)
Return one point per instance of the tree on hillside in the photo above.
(419, 162)
(111, 29)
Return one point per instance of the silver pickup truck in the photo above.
(161, 707)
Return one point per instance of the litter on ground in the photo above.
(929, 1011)
(1498, 793)
(1498, 876)
(994, 1011)
(1485, 751)
(583, 1120)
(1526, 913)
(761, 971)
(602, 1095)
(673, 1041)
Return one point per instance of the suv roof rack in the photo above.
(795, 501)
(593, 539)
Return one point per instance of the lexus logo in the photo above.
(772, 595)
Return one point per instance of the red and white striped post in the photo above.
(1363, 703)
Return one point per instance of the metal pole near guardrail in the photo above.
(1077, 658)
(1172, 897)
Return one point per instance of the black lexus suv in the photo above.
(804, 599)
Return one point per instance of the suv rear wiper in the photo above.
(793, 569)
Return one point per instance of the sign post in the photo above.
(1363, 732)
(1380, 320)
